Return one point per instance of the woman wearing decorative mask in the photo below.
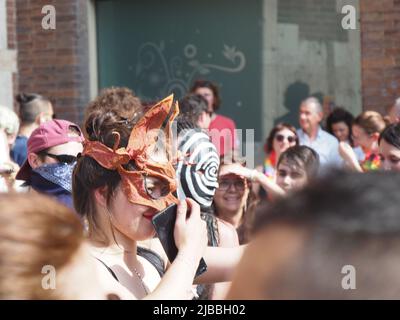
(121, 181)
(52, 152)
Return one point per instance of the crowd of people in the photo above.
(81, 199)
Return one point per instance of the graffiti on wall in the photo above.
(166, 74)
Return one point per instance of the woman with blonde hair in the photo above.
(366, 129)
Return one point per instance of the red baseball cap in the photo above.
(49, 134)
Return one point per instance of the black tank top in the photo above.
(204, 290)
(149, 255)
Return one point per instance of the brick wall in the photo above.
(380, 53)
(11, 16)
(54, 63)
(318, 20)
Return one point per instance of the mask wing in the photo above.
(150, 143)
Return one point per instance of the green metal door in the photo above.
(158, 47)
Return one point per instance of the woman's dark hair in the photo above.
(114, 110)
(30, 106)
(268, 147)
(303, 157)
(339, 114)
(192, 106)
(208, 84)
(391, 135)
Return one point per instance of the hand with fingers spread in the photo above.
(238, 170)
(254, 176)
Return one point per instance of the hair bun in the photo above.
(23, 98)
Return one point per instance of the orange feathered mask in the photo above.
(150, 148)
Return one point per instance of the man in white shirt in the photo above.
(312, 135)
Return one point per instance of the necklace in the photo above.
(103, 251)
(141, 280)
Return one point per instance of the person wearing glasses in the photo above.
(234, 199)
(197, 172)
(281, 137)
(52, 153)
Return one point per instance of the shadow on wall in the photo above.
(295, 93)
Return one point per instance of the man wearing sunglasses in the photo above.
(52, 152)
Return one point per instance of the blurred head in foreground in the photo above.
(339, 238)
(43, 252)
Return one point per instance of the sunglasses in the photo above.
(224, 185)
(63, 158)
(280, 138)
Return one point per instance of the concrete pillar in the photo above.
(269, 66)
(8, 61)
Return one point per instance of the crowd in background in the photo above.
(82, 198)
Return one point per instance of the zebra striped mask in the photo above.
(198, 170)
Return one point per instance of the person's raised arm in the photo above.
(221, 264)
(350, 158)
(268, 185)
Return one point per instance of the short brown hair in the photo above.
(303, 157)
(35, 231)
(119, 100)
